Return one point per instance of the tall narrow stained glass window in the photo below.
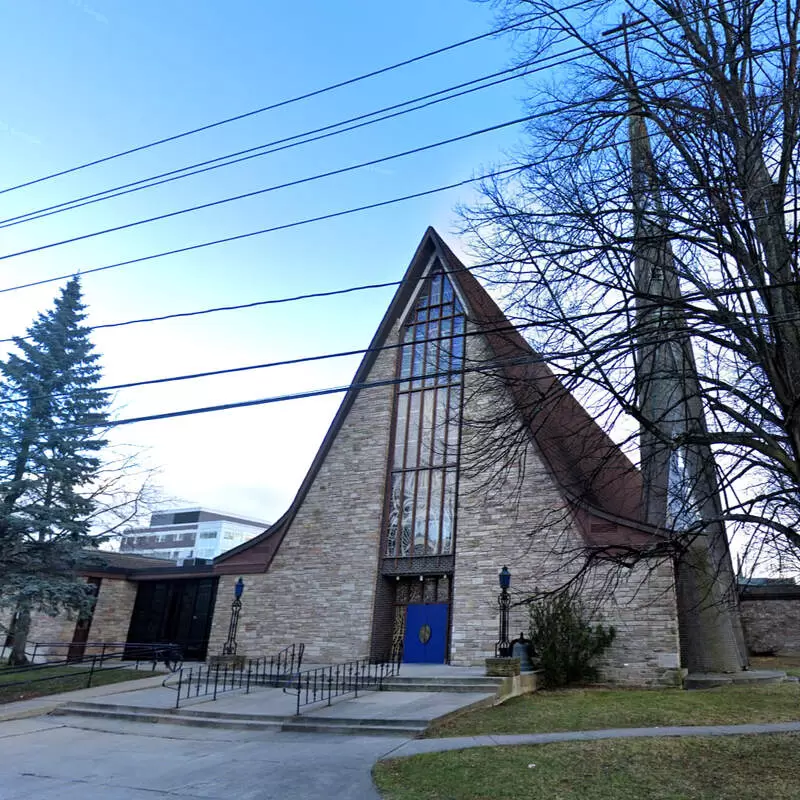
(424, 465)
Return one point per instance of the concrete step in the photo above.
(217, 719)
(157, 716)
(424, 685)
(354, 727)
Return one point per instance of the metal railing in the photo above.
(169, 653)
(95, 663)
(203, 680)
(324, 683)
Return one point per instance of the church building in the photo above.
(455, 452)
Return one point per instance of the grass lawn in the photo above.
(591, 709)
(701, 768)
(60, 679)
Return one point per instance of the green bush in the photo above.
(563, 645)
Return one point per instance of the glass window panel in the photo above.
(447, 290)
(431, 356)
(435, 514)
(422, 315)
(458, 343)
(428, 404)
(408, 507)
(436, 289)
(400, 434)
(459, 309)
(405, 364)
(413, 431)
(449, 511)
(421, 516)
(419, 353)
(440, 431)
(452, 424)
(444, 350)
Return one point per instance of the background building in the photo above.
(188, 533)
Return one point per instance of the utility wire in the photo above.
(276, 187)
(503, 328)
(383, 159)
(487, 367)
(316, 134)
(281, 103)
(262, 231)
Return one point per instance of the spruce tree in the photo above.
(52, 415)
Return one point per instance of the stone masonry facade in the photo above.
(517, 517)
(320, 587)
(110, 620)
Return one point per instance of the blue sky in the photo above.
(84, 79)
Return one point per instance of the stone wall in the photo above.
(112, 612)
(771, 619)
(110, 621)
(513, 514)
(320, 587)
(45, 628)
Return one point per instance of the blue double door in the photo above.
(425, 640)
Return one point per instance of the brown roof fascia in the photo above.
(256, 555)
(599, 481)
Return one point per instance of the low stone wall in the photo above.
(771, 619)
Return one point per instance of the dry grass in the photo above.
(593, 709)
(700, 768)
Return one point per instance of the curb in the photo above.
(420, 746)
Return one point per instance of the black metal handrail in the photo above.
(168, 652)
(203, 680)
(94, 663)
(324, 683)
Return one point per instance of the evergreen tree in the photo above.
(51, 418)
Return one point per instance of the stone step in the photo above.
(710, 680)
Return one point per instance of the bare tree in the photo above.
(673, 143)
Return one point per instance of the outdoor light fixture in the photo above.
(503, 647)
(229, 648)
(504, 577)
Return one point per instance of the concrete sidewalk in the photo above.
(417, 746)
(36, 706)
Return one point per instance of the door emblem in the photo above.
(424, 634)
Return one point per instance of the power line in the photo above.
(262, 231)
(279, 104)
(276, 187)
(372, 162)
(505, 328)
(487, 367)
(315, 134)
(275, 146)
(332, 215)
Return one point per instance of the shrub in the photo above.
(563, 645)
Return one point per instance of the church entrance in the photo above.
(421, 618)
(426, 633)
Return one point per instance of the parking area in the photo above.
(66, 758)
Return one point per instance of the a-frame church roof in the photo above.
(601, 485)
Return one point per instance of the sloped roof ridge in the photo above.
(587, 464)
(614, 495)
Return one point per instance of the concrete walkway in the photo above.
(36, 706)
(417, 746)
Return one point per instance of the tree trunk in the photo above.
(22, 627)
